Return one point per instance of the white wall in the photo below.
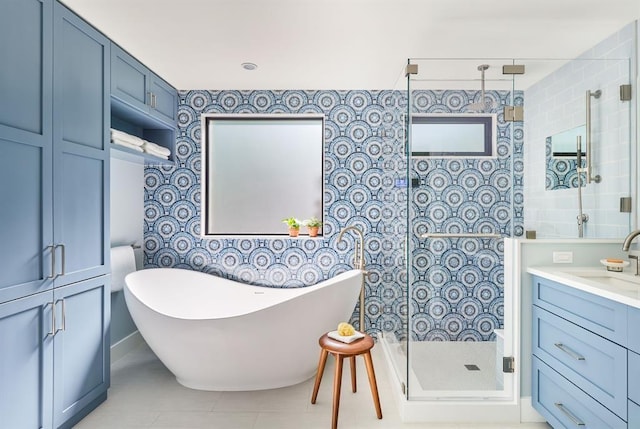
(127, 220)
(557, 103)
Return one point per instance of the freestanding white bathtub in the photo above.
(217, 334)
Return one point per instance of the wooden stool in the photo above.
(341, 350)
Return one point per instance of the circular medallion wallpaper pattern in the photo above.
(457, 284)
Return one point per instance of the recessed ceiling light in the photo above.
(249, 66)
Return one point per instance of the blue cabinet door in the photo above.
(81, 152)
(164, 100)
(26, 227)
(81, 347)
(26, 358)
(129, 79)
(25, 74)
(634, 415)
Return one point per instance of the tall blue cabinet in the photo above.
(54, 205)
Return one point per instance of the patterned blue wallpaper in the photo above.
(364, 157)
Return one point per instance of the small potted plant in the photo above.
(313, 225)
(293, 224)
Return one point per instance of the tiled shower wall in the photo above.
(557, 103)
(457, 284)
(364, 155)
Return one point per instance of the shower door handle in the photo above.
(468, 235)
(588, 167)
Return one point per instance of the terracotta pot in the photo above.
(293, 232)
(313, 231)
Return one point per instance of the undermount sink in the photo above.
(623, 287)
(614, 281)
(625, 283)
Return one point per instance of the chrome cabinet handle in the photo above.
(575, 420)
(53, 261)
(52, 332)
(570, 352)
(64, 258)
(467, 235)
(64, 317)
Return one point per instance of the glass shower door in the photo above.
(460, 155)
(391, 305)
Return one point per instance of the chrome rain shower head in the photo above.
(482, 104)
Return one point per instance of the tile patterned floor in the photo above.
(144, 394)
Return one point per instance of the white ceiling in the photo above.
(342, 44)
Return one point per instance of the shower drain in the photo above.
(472, 367)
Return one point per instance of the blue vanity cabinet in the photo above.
(584, 369)
(25, 139)
(26, 357)
(81, 349)
(137, 86)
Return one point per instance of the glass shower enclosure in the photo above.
(462, 151)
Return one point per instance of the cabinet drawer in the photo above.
(566, 406)
(600, 315)
(634, 376)
(596, 365)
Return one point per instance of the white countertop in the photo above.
(621, 287)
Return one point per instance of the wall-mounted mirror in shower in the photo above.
(561, 158)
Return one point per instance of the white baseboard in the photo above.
(125, 345)
(528, 414)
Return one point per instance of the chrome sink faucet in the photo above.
(627, 243)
